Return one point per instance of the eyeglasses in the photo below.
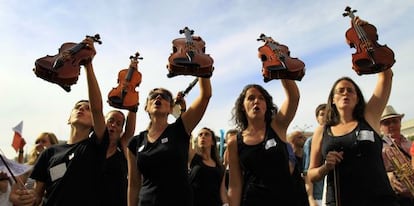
(342, 90)
(163, 95)
(387, 122)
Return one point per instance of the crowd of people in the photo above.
(349, 160)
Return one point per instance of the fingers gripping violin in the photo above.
(64, 68)
(277, 63)
(124, 96)
(188, 57)
(370, 57)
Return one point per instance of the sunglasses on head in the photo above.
(163, 95)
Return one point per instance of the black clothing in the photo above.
(163, 165)
(115, 182)
(362, 178)
(72, 174)
(265, 167)
(205, 182)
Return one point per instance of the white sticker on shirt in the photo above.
(71, 156)
(141, 148)
(57, 171)
(364, 135)
(270, 143)
(164, 140)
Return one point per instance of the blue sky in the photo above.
(314, 31)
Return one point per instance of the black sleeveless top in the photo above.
(362, 178)
(265, 168)
(205, 182)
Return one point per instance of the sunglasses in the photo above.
(342, 90)
(389, 121)
(163, 95)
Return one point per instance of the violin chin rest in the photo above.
(185, 63)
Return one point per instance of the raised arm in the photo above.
(288, 108)
(95, 97)
(195, 112)
(129, 130)
(379, 99)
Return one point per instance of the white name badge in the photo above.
(57, 171)
(365, 135)
(270, 143)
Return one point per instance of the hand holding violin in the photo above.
(188, 57)
(277, 63)
(124, 96)
(370, 57)
(64, 68)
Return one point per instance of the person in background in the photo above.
(115, 184)
(5, 188)
(390, 126)
(260, 169)
(42, 142)
(206, 171)
(348, 147)
(314, 190)
(158, 156)
(296, 140)
(71, 174)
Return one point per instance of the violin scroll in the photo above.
(277, 62)
(370, 57)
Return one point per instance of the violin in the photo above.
(124, 96)
(277, 63)
(370, 57)
(188, 57)
(64, 68)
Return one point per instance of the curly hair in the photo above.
(239, 114)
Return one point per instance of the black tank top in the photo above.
(362, 178)
(265, 166)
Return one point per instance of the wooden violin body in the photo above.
(125, 96)
(370, 57)
(188, 57)
(277, 63)
(64, 68)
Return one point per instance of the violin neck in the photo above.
(76, 48)
(131, 70)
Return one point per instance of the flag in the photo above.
(18, 141)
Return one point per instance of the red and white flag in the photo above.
(18, 141)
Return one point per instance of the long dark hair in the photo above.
(332, 114)
(213, 150)
(239, 114)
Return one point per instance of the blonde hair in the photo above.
(34, 154)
